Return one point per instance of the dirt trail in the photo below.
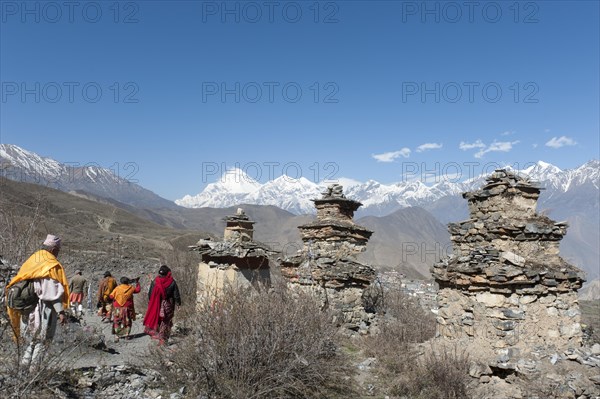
(132, 352)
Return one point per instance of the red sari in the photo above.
(159, 316)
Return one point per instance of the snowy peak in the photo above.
(29, 166)
(30, 163)
(230, 189)
(236, 181)
(541, 171)
(234, 187)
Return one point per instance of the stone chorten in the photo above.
(327, 262)
(236, 261)
(505, 288)
(239, 227)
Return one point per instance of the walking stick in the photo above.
(89, 297)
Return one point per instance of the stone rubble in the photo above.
(327, 265)
(506, 294)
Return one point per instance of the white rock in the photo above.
(553, 334)
(513, 258)
(488, 299)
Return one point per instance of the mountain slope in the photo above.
(85, 225)
(408, 240)
(25, 166)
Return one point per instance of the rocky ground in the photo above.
(99, 367)
(91, 364)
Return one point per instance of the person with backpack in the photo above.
(37, 297)
(107, 285)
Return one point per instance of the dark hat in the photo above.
(124, 280)
(164, 270)
(107, 274)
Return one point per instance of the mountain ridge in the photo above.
(296, 195)
(571, 195)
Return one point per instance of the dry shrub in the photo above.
(439, 374)
(184, 266)
(257, 343)
(403, 325)
(44, 377)
(18, 237)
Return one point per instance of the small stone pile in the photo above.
(327, 262)
(505, 293)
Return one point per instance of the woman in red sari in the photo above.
(162, 298)
(123, 310)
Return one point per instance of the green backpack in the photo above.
(22, 296)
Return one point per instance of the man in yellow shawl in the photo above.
(52, 288)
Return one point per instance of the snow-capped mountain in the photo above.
(19, 164)
(231, 189)
(378, 199)
(293, 195)
(236, 187)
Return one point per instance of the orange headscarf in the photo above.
(42, 264)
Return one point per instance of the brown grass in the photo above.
(402, 367)
(258, 344)
(590, 316)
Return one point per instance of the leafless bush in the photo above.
(403, 321)
(402, 371)
(257, 343)
(441, 373)
(42, 377)
(184, 266)
(18, 232)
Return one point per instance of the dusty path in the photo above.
(112, 353)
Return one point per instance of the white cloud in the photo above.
(391, 156)
(428, 146)
(469, 146)
(534, 145)
(496, 146)
(507, 133)
(557, 142)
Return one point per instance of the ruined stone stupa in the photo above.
(327, 262)
(505, 290)
(238, 260)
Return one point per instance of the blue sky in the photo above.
(356, 89)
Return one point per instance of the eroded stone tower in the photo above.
(327, 262)
(505, 288)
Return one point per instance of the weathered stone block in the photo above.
(552, 311)
(490, 300)
(570, 330)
